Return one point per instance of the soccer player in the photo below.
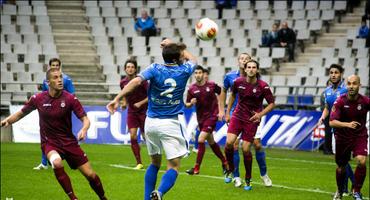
(137, 106)
(68, 86)
(162, 126)
(246, 117)
(55, 108)
(203, 94)
(260, 154)
(337, 87)
(348, 118)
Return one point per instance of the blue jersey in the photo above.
(331, 95)
(67, 85)
(229, 82)
(166, 88)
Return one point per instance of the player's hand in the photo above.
(5, 123)
(256, 117)
(227, 117)
(193, 101)
(321, 120)
(353, 125)
(137, 105)
(166, 42)
(112, 106)
(221, 115)
(81, 135)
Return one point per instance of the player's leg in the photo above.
(151, 175)
(261, 160)
(196, 138)
(360, 174)
(229, 153)
(236, 173)
(349, 176)
(60, 174)
(93, 179)
(248, 158)
(342, 156)
(168, 179)
(201, 150)
(44, 162)
(217, 150)
(135, 147)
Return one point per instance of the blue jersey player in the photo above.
(336, 89)
(67, 86)
(260, 154)
(165, 102)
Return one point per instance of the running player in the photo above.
(68, 86)
(162, 126)
(137, 106)
(348, 118)
(203, 94)
(247, 115)
(55, 108)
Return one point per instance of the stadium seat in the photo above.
(328, 52)
(328, 15)
(23, 20)
(229, 14)
(362, 53)
(345, 53)
(113, 78)
(30, 39)
(263, 14)
(33, 88)
(280, 91)
(243, 5)
(297, 5)
(9, 9)
(6, 20)
(153, 4)
(358, 43)
(92, 11)
(109, 68)
(278, 52)
(313, 14)
(105, 3)
(160, 13)
(207, 4)
(17, 67)
(294, 81)
(212, 13)
(246, 15)
(14, 39)
(318, 71)
(12, 87)
(195, 14)
(261, 5)
(190, 4)
(280, 14)
(10, 58)
(265, 62)
(124, 12)
(35, 67)
(177, 13)
(299, 14)
(6, 98)
(227, 52)
(6, 48)
(349, 62)
(311, 5)
(24, 77)
(40, 10)
(278, 80)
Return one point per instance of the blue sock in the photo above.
(236, 163)
(150, 180)
(197, 133)
(261, 160)
(349, 175)
(168, 180)
(44, 159)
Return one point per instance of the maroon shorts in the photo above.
(208, 125)
(247, 129)
(136, 120)
(344, 147)
(72, 153)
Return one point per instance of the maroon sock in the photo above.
(360, 175)
(229, 153)
(340, 176)
(200, 154)
(97, 186)
(136, 150)
(65, 182)
(248, 158)
(216, 149)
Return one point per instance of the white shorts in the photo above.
(258, 133)
(333, 142)
(167, 134)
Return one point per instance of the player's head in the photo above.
(55, 63)
(199, 73)
(144, 14)
(171, 53)
(284, 25)
(242, 59)
(252, 69)
(275, 27)
(130, 67)
(206, 74)
(54, 78)
(335, 73)
(353, 85)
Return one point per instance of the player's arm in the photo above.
(190, 100)
(324, 115)
(124, 103)
(188, 56)
(12, 118)
(338, 124)
(221, 104)
(229, 106)
(85, 126)
(141, 103)
(257, 116)
(134, 83)
(69, 86)
(335, 117)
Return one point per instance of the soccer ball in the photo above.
(206, 29)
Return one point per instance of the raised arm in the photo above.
(12, 118)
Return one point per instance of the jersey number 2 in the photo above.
(172, 83)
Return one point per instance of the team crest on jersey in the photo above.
(207, 89)
(63, 104)
(254, 90)
(359, 107)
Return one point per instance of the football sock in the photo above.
(197, 133)
(168, 180)
(44, 159)
(349, 175)
(200, 154)
(65, 182)
(150, 180)
(136, 150)
(360, 174)
(340, 176)
(229, 157)
(261, 160)
(217, 151)
(97, 186)
(236, 156)
(248, 164)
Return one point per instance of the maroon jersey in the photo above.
(55, 116)
(139, 94)
(250, 97)
(345, 110)
(207, 105)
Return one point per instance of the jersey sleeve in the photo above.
(189, 96)
(226, 82)
(77, 108)
(30, 105)
(268, 94)
(148, 73)
(217, 89)
(190, 66)
(68, 85)
(44, 86)
(336, 110)
(235, 86)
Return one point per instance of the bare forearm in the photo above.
(189, 56)
(231, 102)
(325, 113)
(222, 98)
(268, 109)
(85, 123)
(142, 102)
(15, 117)
(337, 124)
(129, 88)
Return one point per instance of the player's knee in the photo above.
(90, 175)
(56, 161)
(361, 161)
(258, 146)
(201, 140)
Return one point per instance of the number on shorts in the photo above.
(172, 83)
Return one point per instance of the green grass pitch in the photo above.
(295, 175)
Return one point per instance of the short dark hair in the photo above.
(133, 61)
(49, 71)
(55, 60)
(171, 53)
(199, 67)
(206, 71)
(336, 66)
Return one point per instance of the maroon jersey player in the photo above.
(137, 103)
(55, 108)
(202, 94)
(348, 118)
(247, 114)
